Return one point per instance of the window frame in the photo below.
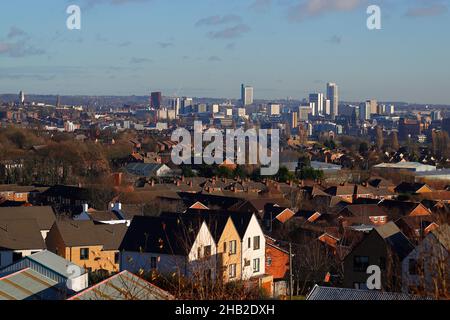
(360, 266)
(256, 241)
(233, 247)
(256, 263)
(84, 257)
(207, 251)
(232, 271)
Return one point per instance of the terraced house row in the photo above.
(216, 244)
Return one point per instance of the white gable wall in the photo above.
(204, 239)
(249, 254)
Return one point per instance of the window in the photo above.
(207, 251)
(153, 262)
(256, 244)
(199, 253)
(116, 257)
(269, 261)
(360, 263)
(383, 219)
(249, 243)
(84, 254)
(233, 245)
(232, 270)
(225, 247)
(256, 265)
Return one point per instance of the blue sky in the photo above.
(284, 48)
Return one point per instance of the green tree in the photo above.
(239, 172)
(284, 175)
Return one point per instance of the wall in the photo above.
(225, 259)
(203, 239)
(166, 264)
(434, 254)
(6, 258)
(280, 262)
(254, 229)
(372, 246)
(98, 258)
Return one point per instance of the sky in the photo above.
(207, 48)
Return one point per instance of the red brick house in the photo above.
(277, 266)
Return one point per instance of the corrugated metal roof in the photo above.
(55, 263)
(123, 286)
(28, 284)
(328, 293)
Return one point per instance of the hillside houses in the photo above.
(234, 230)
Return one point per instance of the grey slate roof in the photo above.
(21, 234)
(343, 294)
(44, 216)
(87, 233)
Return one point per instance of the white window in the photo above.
(256, 265)
(232, 270)
(256, 243)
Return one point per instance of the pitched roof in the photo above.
(209, 200)
(44, 216)
(69, 192)
(329, 293)
(86, 233)
(436, 195)
(165, 234)
(395, 238)
(145, 169)
(123, 286)
(380, 183)
(28, 284)
(347, 190)
(111, 235)
(363, 210)
(241, 220)
(21, 234)
(55, 263)
(215, 222)
(406, 187)
(398, 207)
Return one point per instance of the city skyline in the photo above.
(221, 44)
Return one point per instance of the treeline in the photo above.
(37, 157)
